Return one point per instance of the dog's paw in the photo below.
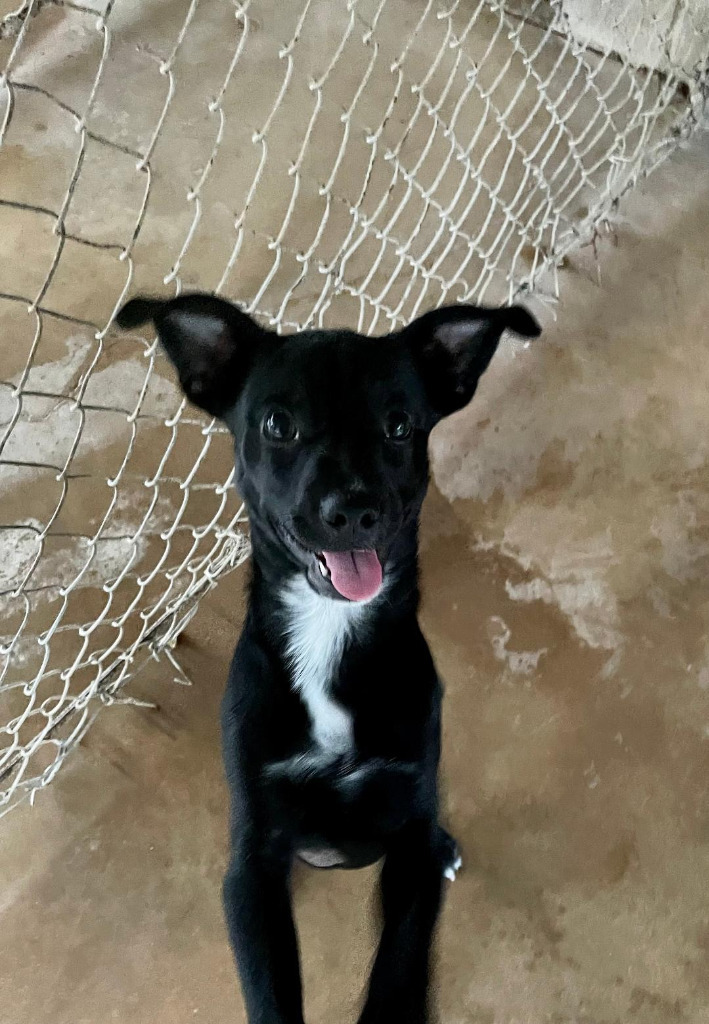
(451, 859)
(450, 872)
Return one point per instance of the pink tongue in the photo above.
(357, 575)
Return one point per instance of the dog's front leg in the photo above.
(262, 933)
(411, 884)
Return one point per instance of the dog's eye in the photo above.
(398, 426)
(279, 426)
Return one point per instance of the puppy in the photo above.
(331, 717)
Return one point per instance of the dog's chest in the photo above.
(318, 630)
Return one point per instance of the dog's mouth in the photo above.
(356, 575)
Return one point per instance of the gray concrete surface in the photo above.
(564, 547)
(564, 556)
(336, 164)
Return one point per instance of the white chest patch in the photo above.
(317, 630)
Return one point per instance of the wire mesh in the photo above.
(322, 164)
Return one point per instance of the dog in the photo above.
(331, 718)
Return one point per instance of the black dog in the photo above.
(331, 718)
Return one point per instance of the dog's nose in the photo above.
(340, 514)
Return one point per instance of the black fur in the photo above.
(341, 484)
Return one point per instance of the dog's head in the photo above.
(330, 427)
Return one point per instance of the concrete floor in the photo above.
(564, 553)
(316, 162)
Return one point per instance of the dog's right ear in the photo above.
(210, 342)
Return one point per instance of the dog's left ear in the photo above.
(453, 346)
(210, 343)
